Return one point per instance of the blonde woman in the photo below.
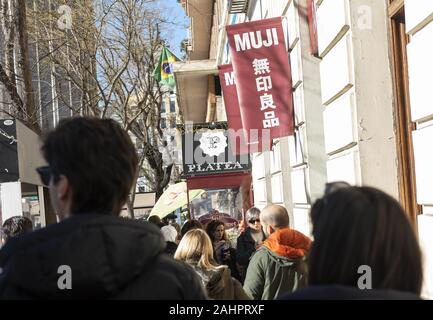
(196, 249)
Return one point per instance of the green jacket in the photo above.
(270, 275)
(279, 266)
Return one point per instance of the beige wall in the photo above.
(294, 172)
(29, 155)
(344, 109)
(201, 16)
(310, 101)
(357, 93)
(353, 137)
(374, 95)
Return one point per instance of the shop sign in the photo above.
(263, 77)
(207, 150)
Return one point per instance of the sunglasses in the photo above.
(45, 174)
(252, 221)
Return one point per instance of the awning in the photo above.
(192, 87)
(195, 67)
(220, 181)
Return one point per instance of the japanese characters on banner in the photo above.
(263, 78)
(238, 139)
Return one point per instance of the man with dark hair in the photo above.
(16, 226)
(279, 265)
(91, 252)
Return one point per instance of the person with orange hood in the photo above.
(279, 265)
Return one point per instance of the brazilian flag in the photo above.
(163, 73)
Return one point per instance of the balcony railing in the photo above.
(238, 6)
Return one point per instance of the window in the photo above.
(172, 106)
(163, 107)
(402, 110)
(163, 123)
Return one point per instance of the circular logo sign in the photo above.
(8, 122)
(213, 142)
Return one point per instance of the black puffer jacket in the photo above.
(245, 248)
(109, 257)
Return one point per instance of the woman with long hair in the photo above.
(224, 253)
(196, 249)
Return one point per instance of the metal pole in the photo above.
(191, 216)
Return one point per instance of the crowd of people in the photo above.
(117, 258)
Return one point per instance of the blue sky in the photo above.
(174, 12)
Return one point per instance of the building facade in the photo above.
(170, 119)
(54, 96)
(360, 100)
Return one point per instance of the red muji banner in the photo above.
(238, 140)
(263, 77)
(228, 86)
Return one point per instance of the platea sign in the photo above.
(206, 150)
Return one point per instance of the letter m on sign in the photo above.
(242, 43)
(229, 78)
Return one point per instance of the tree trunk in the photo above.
(8, 27)
(23, 61)
(11, 89)
(162, 181)
(131, 198)
(7, 74)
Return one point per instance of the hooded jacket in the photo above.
(220, 285)
(279, 265)
(104, 257)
